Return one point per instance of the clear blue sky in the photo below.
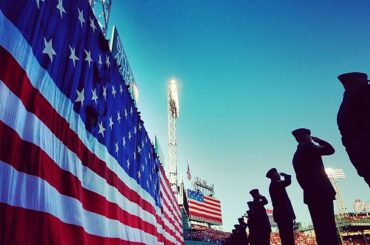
(250, 72)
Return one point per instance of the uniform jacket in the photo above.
(310, 171)
(280, 201)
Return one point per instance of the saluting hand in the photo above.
(315, 139)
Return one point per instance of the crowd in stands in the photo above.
(205, 234)
(355, 241)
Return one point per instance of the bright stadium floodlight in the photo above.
(174, 97)
(335, 173)
(173, 115)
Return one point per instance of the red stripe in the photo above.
(192, 208)
(203, 205)
(176, 221)
(36, 162)
(204, 216)
(17, 81)
(173, 222)
(210, 199)
(170, 208)
(23, 226)
(170, 196)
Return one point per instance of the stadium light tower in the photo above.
(101, 9)
(173, 115)
(334, 175)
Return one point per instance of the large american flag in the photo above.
(76, 163)
(204, 208)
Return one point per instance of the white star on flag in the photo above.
(48, 49)
(117, 148)
(100, 62)
(80, 97)
(94, 96)
(101, 128)
(88, 57)
(129, 135)
(81, 17)
(131, 111)
(92, 24)
(120, 88)
(118, 117)
(61, 8)
(128, 163)
(107, 60)
(138, 174)
(126, 114)
(124, 141)
(111, 122)
(114, 91)
(105, 93)
(142, 168)
(73, 56)
(38, 3)
(134, 154)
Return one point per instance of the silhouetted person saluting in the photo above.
(354, 121)
(318, 193)
(261, 221)
(283, 211)
(251, 225)
(242, 231)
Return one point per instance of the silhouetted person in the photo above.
(354, 122)
(251, 225)
(260, 218)
(318, 193)
(242, 231)
(283, 211)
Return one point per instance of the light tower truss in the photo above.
(334, 175)
(173, 114)
(101, 9)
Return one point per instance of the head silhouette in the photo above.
(302, 135)
(273, 174)
(353, 80)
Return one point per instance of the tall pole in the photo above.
(334, 175)
(173, 114)
(101, 9)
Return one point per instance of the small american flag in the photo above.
(204, 208)
(188, 172)
(76, 163)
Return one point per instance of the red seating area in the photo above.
(205, 234)
(300, 238)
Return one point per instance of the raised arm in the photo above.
(324, 148)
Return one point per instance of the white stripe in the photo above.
(176, 210)
(175, 221)
(203, 207)
(205, 212)
(22, 190)
(39, 134)
(178, 220)
(40, 79)
(213, 201)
